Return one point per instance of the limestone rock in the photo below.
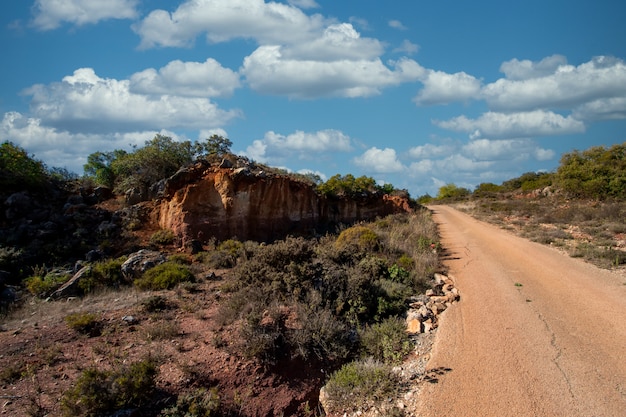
(245, 203)
(139, 262)
(72, 287)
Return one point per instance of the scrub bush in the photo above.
(164, 276)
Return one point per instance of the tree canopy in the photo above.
(159, 158)
(18, 169)
(596, 173)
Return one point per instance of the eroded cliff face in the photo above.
(203, 202)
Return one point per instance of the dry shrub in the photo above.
(358, 383)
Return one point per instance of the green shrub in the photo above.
(392, 298)
(18, 170)
(13, 371)
(226, 254)
(405, 262)
(155, 304)
(104, 274)
(386, 341)
(320, 334)
(263, 341)
(179, 258)
(597, 173)
(162, 237)
(361, 238)
(10, 258)
(348, 185)
(46, 285)
(452, 192)
(98, 393)
(357, 384)
(162, 330)
(201, 402)
(164, 276)
(85, 323)
(399, 274)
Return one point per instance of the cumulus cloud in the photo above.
(511, 125)
(602, 109)
(50, 14)
(477, 161)
(407, 47)
(430, 151)
(62, 148)
(304, 4)
(380, 161)
(526, 69)
(337, 42)
(552, 83)
(190, 79)
(87, 103)
(506, 150)
(275, 147)
(443, 88)
(222, 20)
(269, 72)
(396, 24)
(299, 55)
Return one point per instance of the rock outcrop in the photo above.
(210, 201)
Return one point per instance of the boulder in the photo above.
(18, 204)
(72, 287)
(139, 262)
(102, 193)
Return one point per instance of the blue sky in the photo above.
(415, 93)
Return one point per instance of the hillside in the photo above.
(226, 288)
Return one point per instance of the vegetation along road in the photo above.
(536, 333)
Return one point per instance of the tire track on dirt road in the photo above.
(536, 333)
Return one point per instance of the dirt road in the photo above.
(536, 333)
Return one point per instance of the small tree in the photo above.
(451, 191)
(215, 145)
(17, 168)
(596, 173)
(99, 167)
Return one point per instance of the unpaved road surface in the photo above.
(536, 333)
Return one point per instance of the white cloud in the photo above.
(506, 150)
(430, 151)
(602, 109)
(304, 4)
(360, 22)
(458, 162)
(64, 149)
(443, 88)
(337, 42)
(50, 14)
(553, 84)
(407, 47)
(381, 161)
(222, 20)
(320, 174)
(422, 167)
(299, 55)
(191, 79)
(269, 72)
(275, 147)
(396, 24)
(526, 69)
(84, 102)
(523, 124)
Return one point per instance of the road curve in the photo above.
(536, 333)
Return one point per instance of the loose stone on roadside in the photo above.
(422, 316)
